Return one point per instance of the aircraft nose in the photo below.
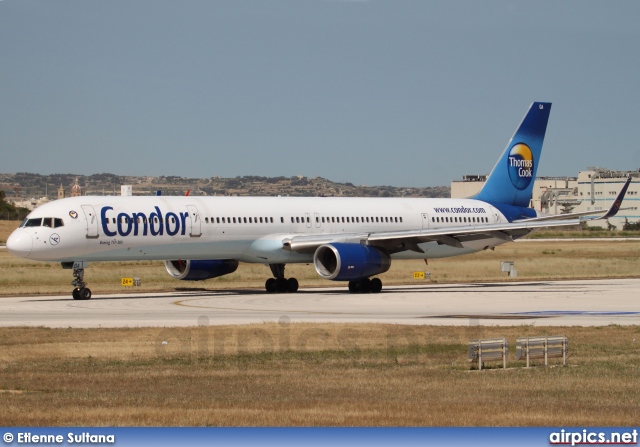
(20, 244)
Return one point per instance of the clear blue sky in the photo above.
(378, 92)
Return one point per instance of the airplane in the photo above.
(347, 239)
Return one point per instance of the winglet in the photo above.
(615, 207)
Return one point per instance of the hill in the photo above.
(23, 185)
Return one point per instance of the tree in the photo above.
(9, 211)
(631, 226)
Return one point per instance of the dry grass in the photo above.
(6, 227)
(309, 375)
(534, 261)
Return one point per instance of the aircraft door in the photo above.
(92, 221)
(196, 221)
(307, 218)
(317, 217)
(496, 214)
(425, 221)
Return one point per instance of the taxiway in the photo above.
(541, 303)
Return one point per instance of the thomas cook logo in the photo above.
(520, 166)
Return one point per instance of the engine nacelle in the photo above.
(200, 270)
(347, 262)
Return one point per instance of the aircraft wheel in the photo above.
(354, 286)
(376, 285)
(270, 285)
(282, 285)
(365, 285)
(84, 293)
(76, 294)
(292, 285)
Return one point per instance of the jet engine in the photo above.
(200, 270)
(347, 262)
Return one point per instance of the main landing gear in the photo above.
(81, 291)
(280, 284)
(365, 285)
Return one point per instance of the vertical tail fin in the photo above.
(511, 180)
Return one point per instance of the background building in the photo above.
(593, 190)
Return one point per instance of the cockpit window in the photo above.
(34, 222)
(51, 222)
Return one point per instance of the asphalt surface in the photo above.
(542, 303)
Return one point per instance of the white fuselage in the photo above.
(248, 229)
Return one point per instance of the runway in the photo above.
(543, 303)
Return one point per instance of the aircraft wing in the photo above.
(612, 211)
(397, 241)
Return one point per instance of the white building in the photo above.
(29, 204)
(593, 190)
(126, 190)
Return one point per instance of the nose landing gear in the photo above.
(81, 291)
